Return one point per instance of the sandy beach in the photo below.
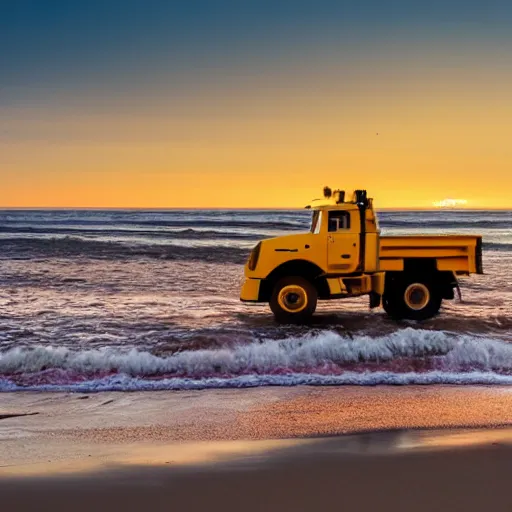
(300, 448)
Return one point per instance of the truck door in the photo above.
(343, 241)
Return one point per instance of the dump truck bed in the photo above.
(461, 254)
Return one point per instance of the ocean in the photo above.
(94, 300)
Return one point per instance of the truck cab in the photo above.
(342, 256)
(350, 233)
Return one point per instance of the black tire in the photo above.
(412, 298)
(293, 300)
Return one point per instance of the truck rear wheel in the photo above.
(412, 298)
(293, 300)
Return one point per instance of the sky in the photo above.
(197, 103)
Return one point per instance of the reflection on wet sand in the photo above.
(253, 453)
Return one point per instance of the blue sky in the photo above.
(91, 42)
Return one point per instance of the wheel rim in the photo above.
(417, 296)
(292, 298)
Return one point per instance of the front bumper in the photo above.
(250, 291)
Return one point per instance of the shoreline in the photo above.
(36, 426)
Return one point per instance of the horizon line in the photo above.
(170, 208)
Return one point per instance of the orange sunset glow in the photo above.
(413, 116)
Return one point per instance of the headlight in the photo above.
(253, 258)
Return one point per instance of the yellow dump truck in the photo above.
(343, 255)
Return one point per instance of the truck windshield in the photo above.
(316, 222)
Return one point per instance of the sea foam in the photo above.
(325, 358)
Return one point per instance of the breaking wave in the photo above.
(160, 223)
(79, 232)
(126, 383)
(235, 249)
(448, 223)
(496, 246)
(22, 248)
(407, 356)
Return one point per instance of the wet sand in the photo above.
(240, 414)
(259, 449)
(326, 475)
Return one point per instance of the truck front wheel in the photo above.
(293, 300)
(413, 298)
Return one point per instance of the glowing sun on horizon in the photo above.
(450, 203)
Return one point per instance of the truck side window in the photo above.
(316, 222)
(338, 221)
